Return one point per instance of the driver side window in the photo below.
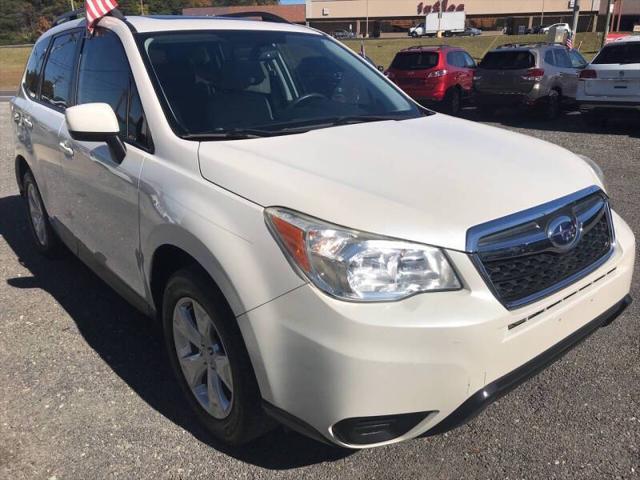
(105, 76)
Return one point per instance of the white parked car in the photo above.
(557, 26)
(611, 82)
(255, 186)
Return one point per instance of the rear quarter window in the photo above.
(508, 60)
(628, 52)
(415, 60)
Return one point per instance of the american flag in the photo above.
(96, 9)
(569, 41)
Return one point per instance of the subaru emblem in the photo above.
(564, 232)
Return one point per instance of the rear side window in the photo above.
(415, 60)
(562, 58)
(105, 76)
(627, 52)
(508, 60)
(34, 67)
(577, 60)
(58, 71)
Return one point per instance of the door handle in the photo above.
(16, 117)
(66, 148)
(26, 122)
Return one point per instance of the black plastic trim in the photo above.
(294, 423)
(493, 391)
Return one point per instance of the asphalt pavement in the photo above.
(86, 392)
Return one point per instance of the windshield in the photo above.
(265, 81)
(508, 60)
(415, 61)
(627, 52)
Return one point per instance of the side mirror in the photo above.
(96, 122)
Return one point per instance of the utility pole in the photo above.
(606, 24)
(367, 28)
(73, 6)
(141, 8)
(542, 15)
(576, 15)
(619, 15)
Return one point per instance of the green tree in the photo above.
(22, 21)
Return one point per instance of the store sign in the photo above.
(438, 6)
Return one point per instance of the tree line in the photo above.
(24, 21)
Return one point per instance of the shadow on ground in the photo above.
(568, 121)
(132, 345)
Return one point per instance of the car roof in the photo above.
(429, 48)
(628, 38)
(168, 23)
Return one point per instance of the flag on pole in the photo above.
(569, 41)
(96, 9)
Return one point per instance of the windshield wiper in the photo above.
(233, 134)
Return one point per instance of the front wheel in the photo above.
(209, 358)
(551, 106)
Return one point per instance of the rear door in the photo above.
(618, 72)
(504, 72)
(47, 117)
(568, 73)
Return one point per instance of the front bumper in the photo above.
(320, 361)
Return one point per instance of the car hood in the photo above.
(428, 180)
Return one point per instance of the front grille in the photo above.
(521, 264)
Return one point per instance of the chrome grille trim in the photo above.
(522, 236)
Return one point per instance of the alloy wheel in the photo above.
(36, 213)
(203, 358)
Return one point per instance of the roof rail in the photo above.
(79, 13)
(529, 44)
(264, 16)
(67, 17)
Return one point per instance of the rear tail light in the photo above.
(534, 74)
(437, 74)
(584, 74)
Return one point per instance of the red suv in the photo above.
(439, 75)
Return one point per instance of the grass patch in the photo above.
(12, 63)
(383, 51)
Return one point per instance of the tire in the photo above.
(414, 35)
(453, 101)
(203, 340)
(44, 237)
(551, 106)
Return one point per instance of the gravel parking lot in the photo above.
(86, 390)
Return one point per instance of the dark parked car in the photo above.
(541, 75)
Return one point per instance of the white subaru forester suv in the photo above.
(254, 184)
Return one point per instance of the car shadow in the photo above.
(132, 345)
(569, 121)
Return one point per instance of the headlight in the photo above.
(596, 169)
(358, 266)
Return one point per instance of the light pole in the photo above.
(542, 15)
(606, 24)
(576, 14)
(367, 27)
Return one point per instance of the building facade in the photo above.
(384, 16)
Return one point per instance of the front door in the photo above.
(105, 191)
